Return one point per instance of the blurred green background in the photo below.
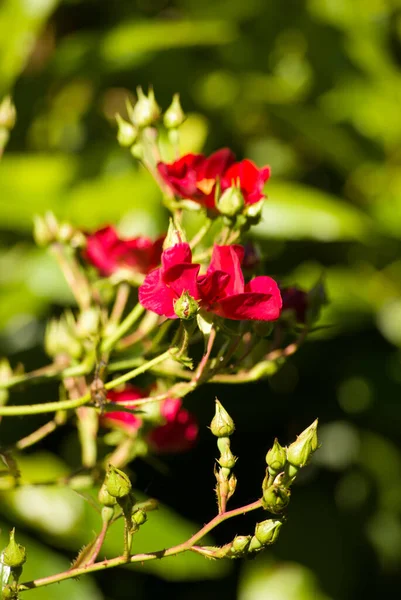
(312, 88)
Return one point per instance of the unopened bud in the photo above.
(231, 202)
(175, 235)
(276, 499)
(227, 460)
(222, 424)
(186, 307)
(105, 498)
(88, 323)
(254, 212)
(60, 338)
(174, 115)
(41, 232)
(8, 113)
(240, 544)
(267, 531)
(276, 457)
(139, 517)
(127, 133)
(146, 111)
(15, 554)
(299, 452)
(117, 482)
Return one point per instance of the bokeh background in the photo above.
(312, 88)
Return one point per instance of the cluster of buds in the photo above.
(283, 464)
(266, 534)
(222, 426)
(48, 230)
(70, 336)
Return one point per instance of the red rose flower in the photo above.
(177, 434)
(163, 286)
(194, 176)
(221, 290)
(296, 300)
(224, 292)
(120, 418)
(180, 431)
(109, 253)
(248, 178)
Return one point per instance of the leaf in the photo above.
(297, 212)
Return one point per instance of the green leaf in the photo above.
(297, 212)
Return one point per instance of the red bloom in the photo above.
(120, 418)
(221, 290)
(296, 300)
(163, 286)
(194, 176)
(248, 178)
(108, 253)
(177, 434)
(224, 292)
(180, 431)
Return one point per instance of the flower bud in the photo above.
(267, 531)
(139, 517)
(227, 460)
(175, 235)
(240, 544)
(14, 555)
(146, 111)
(276, 498)
(117, 482)
(105, 498)
(222, 424)
(255, 545)
(8, 114)
(88, 323)
(60, 338)
(186, 307)
(254, 212)
(276, 457)
(230, 202)
(174, 115)
(42, 233)
(127, 133)
(299, 452)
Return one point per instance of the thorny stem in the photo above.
(121, 560)
(98, 544)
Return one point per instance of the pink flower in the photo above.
(194, 176)
(224, 292)
(221, 290)
(109, 253)
(178, 433)
(163, 286)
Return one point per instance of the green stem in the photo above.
(122, 329)
(201, 233)
(121, 560)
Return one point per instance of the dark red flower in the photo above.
(224, 292)
(120, 418)
(296, 300)
(106, 251)
(180, 431)
(194, 176)
(248, 178)
(163, 286)
(177, 434)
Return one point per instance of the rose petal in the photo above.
(156, 296)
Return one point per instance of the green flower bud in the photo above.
(255, 545)
(127, 133)
(267, 531)
(60, 337)
(41, 233)
(276, 457)
(117, 482)
(222, 424)
(139, 517)
(8, 114)
(105, 498)
(14, 555)
(276, 499)
(137, 151)
(174, 115)
(8, 593)
(146, 111)
(240, 544)
(230, 202)
(299, 452)
(254, 212)
(227, 460)
(175, 235)
(88, 323)
(186, 307)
